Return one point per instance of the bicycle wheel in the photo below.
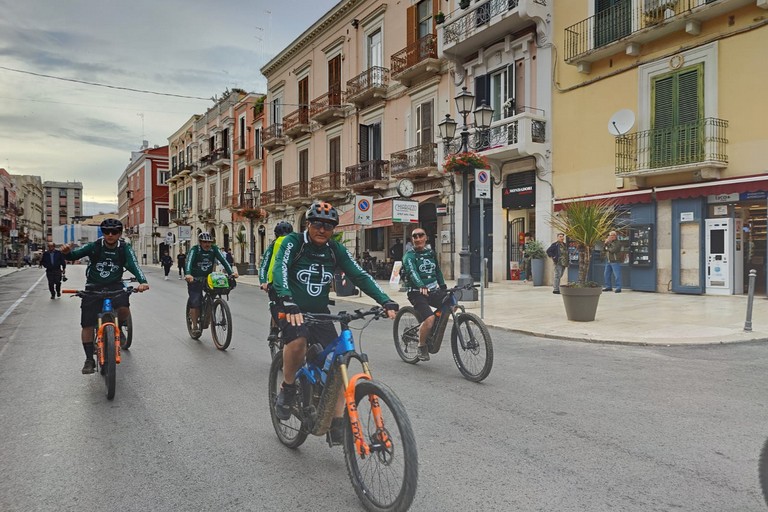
(110, 361)
(406, 334)
(221, 324)
(126, 332)
(386, 479)
(762, 471)
(190, 330)
(473, 354)
(290, 432)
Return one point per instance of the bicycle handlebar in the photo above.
(344, 317)
(101, 293)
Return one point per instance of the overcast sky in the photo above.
(60, 130)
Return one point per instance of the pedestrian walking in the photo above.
(181, 259)
(559, 254)
(612, 257)
(55, 267)
(167, 262)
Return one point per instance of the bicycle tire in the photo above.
(762, 471)
(191, 332)
(291, 432)
(110, 360)
(405, 343)
(221, 324)
(382, 467)
(126, 332)
(469, 360)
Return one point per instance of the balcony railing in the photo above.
(325, 183)
(416, 59)
(273, 136)
(679, 148)
(623, 19)
(241, 145)
(272, 197)
(466, 25)
(418, 160)
(297, 122)
(371, 83)
(328, 106)
(367, 172)
(296, 192)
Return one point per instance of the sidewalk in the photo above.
(636, 318)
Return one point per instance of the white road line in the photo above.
(15, 304)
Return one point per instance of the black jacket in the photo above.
(59, 264)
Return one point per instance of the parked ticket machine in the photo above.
(724, 266)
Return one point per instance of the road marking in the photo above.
(15, 304)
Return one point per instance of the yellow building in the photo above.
(659, 104)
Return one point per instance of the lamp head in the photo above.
(447, 128)
(464, 101)
(483, 116)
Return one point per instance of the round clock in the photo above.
(405, 187)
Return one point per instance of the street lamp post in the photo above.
(253, 199)
(483, 116)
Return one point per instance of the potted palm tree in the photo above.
(585, 224)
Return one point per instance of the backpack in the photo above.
(120, 251)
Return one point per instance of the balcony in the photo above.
(699, 147)
(488, 23)
(328, 107)
(207, 216)
(414, 162)
(273, 137)
(221, 158)
(328, 186)
(519, 135)
(416, 62)
(197, 171)
(240, 146)
(627, 25)
(272, 200)
(296, 193)
(368, 87)
(253, 156)
(185, 169)
(296, 123)
(206, 165)
(370, 175)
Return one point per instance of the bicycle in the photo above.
(762, 471)
(214, 310)
(471, 343)
(379, 447)
(108, 338)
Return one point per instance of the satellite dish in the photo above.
(621, 122)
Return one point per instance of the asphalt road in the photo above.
(558, 426)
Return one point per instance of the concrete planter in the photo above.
(580, 303)
(537, 271)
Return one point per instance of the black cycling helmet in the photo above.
(204, 237)
(283, 228)
(323, 211)
(111, 224)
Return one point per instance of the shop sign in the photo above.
(405, 211)
(518, 198)
(185, 232)
(441, 211)
(723, 198)
(750, 196)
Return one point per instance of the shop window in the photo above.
(374, 239)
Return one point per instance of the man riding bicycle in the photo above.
(425, 284)
(282, 229)
(107, 257)
(201, 261)
(305, 265)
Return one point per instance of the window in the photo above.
(163, 175)
(304, 100)
(495, 89)
(424, 17)
(374, 49)
(258, 152)
(241, 133)
(370, 142)
(278, 175)
(225, 192)
(613, 20)
(276, 110)
(334, 81)
(424, 123)
(677, 100)
(304, 165)
(374, 239)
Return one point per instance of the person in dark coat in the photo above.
(181, 259)
(55, 267)
(167, 262)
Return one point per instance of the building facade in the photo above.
(63, 202)
(31, 217)
(656, 110)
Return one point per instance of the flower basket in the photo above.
(465, 162)
(252, 213)
(439, 18)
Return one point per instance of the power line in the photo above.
(143, 91)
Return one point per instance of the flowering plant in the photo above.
(461, 162)
(252, 213)
(509, 104)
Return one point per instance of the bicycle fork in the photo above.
(363, 448)
(100, 343)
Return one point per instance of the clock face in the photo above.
(405, 187)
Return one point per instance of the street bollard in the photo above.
(750, 299)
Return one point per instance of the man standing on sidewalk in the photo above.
(612, 256)
(557, 251)
(55, 266)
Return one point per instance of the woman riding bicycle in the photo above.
(282, 229)
(107, 257)
(201, 261)
(425, 284)
(303, 273)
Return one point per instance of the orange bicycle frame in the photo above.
(100, 341)
(349, 396)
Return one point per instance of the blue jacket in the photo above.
(55, 264)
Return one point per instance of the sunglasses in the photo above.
(318, 224)
(419, 235)
(205, 242)
(111, 231)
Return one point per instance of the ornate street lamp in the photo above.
(252, 197)
(483, 116)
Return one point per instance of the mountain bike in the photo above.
(762, 471)
(379, 445)
(470, 340)
(214, 310)
(108, 339)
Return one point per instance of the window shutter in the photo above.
(482, 90)
(411, 25)
(511, 90)
(376, 147)
(426, 123)
(690, 142)
(363, 143)
(662, 93)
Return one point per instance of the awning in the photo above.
(623, 197)
(382, 214)
(757, 183)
